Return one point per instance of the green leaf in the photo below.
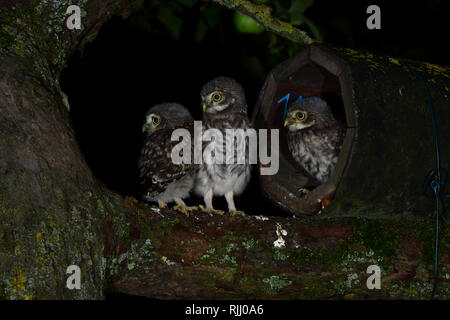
(246, 24)
(297, 18)
(166, 16)
(317, 34)
(211, 15)
(300, 5)
(200, 31)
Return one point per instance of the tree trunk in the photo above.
(54, 213)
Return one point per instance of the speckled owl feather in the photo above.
(316, 142)
(160, 178)
(224, 108)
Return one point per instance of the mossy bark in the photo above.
(54, 213)
(219, 257)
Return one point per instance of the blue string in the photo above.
(286, 97)
(435, 180)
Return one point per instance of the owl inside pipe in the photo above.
(314, 137)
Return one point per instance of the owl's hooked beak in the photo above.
(289, 121)
(204, 106)
(144, 128)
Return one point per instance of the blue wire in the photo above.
(286, 97)
(435, 179)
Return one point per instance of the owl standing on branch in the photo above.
(224, 107)
(162, 180)
(314, 136)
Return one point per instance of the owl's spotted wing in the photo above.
(156, 167)
(231, 153)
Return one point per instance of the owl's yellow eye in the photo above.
(300, 116)
(156, 120)
(217, 97)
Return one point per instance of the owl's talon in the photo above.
(181, 207)
(214, 211)
(211, 211)
(162, 204)
(303, 191)
(237, 213)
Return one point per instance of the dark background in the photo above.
(168, 49)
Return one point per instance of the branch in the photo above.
(261, 13)
(168, 255)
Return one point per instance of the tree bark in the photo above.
(54, 213)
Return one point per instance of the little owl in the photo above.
(314, 136)
(224, 107)
(161, 179)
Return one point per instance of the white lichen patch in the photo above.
(352, 279)
(276, 283)
(249, 243)
(280, 242)
(228, 258)
(360, 257)
(261, 218)
(133, 257)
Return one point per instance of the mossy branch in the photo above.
(261, 13)
(167, 255)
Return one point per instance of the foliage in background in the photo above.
(204, 21)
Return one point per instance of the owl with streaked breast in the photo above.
(161, 179)
(224, 107)
(314, 136)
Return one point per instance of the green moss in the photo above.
(166, 226)
(228, 275)
(49, 237)
(281, 255)
(378, 235)
(3, 295)
(275, 283)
